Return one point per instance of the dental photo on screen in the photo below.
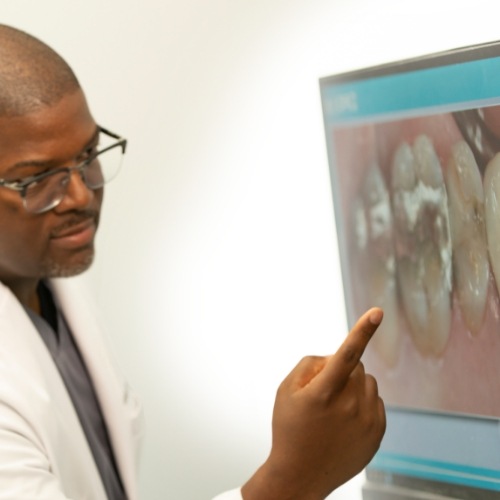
(418, 222)
(414, 156)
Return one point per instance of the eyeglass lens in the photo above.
(48, 192)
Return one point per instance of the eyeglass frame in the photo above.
(21, 186)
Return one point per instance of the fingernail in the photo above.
(376, 316)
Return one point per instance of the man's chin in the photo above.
(54, 269)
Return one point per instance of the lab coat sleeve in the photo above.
(230, 495)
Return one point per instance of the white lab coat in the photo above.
(43, 450)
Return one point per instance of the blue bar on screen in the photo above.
(401, 93)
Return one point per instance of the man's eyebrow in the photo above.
(54, 163)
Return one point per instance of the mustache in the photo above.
(75, 219)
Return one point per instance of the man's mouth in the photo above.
(75, 234)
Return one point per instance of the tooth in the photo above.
(422, 241)
(491, 184)
(474, 124)
(468, 234)
(373, 223)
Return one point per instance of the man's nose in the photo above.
(78, 195)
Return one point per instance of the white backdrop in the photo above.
(217, 265)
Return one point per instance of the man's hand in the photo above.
(328, 423)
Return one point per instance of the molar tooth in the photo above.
(468, 234)
(427, 163)
(491, 184)
(406, 178)
(373, 219)
(422, 242)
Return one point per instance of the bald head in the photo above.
(32, 75)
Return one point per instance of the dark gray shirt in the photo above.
(59, 341)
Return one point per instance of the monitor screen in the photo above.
(414, 155)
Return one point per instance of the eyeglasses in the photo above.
(40, 193)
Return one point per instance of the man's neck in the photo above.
(26, 293)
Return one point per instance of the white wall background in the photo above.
(217, 266)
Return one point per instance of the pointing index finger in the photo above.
(347, 357)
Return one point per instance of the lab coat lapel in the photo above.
(110, 390)
(32, 384)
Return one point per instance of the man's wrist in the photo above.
(270, 483)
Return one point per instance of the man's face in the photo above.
(59, 242)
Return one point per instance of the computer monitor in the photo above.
(414, 156)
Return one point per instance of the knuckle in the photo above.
(281, 388)
(359, 371)
(352, 408)
(323, 398)
(308, 361)
(371, 420)
(381, 408)
(303, 373)
(371, 384)
(366, 332)
(349, 354)
(374, 421)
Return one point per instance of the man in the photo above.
(69, 426)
